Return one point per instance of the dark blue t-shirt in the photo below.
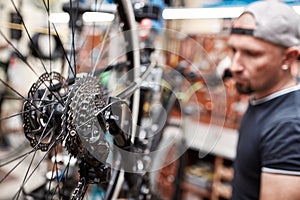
(269, 141)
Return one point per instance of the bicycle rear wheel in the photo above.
(54, 92)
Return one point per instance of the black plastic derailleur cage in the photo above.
(117, 117)
(91, 171)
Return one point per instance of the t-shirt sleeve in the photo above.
(280, 148)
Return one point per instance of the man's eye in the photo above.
(232, 51)
(251, 53)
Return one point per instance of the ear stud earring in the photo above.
(284, 67)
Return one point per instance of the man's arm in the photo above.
(279, 187)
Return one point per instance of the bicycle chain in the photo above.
(84, 134)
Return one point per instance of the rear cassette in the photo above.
(84, 135)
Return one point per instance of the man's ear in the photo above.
(292, 54)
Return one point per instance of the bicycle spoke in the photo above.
(24, 156)
(22, 112)
(29, 37)
(29, 175)
(100, 53)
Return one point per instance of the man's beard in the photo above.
(243, 89)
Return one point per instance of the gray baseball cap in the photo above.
(276, 23)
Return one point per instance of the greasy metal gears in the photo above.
(80, 124)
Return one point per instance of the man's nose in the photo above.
(236, 64)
